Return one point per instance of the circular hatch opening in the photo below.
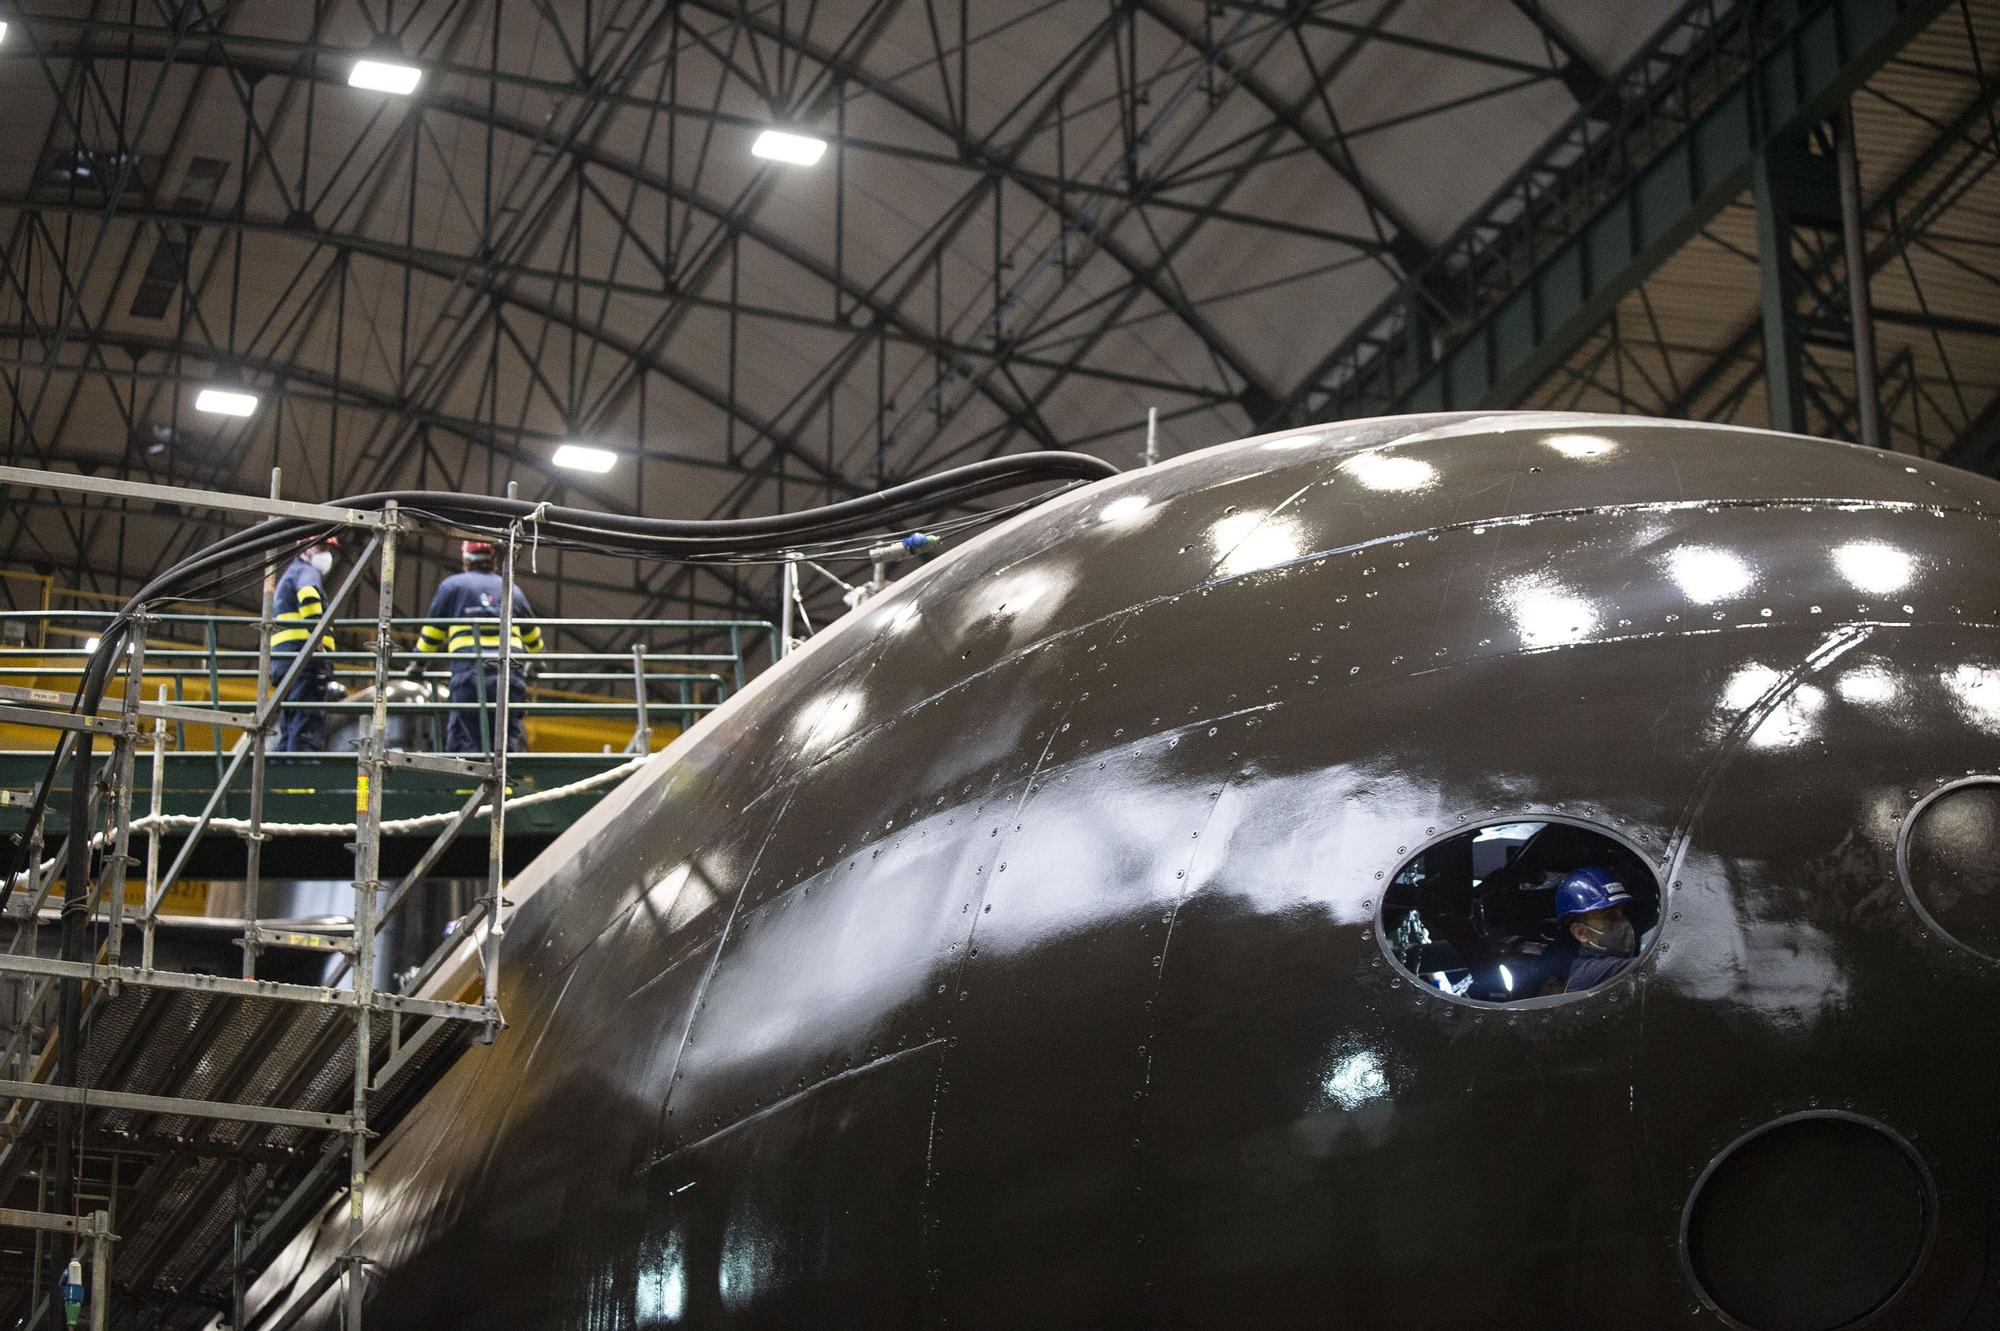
(1815, 1222)
(1481, 915)
(1949, 860)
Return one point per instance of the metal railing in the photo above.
(201, 658)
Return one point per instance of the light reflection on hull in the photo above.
(1009, 957)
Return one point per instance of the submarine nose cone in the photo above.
(1163, 910)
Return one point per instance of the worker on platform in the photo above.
(464, 621)
(1591, 905)
(297, 602)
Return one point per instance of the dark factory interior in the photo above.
(1000, 664)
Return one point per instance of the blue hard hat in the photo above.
(1590, 889)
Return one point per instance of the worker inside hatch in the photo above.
(1592, 906)
(1519, 910)
(464, 622)
(297, 602)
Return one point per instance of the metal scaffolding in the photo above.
(393, 1042)
(92, 1231)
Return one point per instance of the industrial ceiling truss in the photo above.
(1032, 224)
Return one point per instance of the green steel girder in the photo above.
(1830, 49)
(1918, 197)
(1787, 184)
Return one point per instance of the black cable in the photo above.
(841, 548)
(666, 537)
(75, 911)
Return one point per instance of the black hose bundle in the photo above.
(697, 540)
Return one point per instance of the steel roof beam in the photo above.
(1047, 96)
(351, 393)
(993, 165)
(302, 57)
(1519, 340)
(1306, 18)
(216, 54)
(443, 262)
(1286, 117)
(1897, 194)
(1579, 73)
(1405, 242)
(325, 390)
(725, 246)
(1398, 330)
(1978, 447)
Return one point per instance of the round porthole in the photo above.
(1814, 1222)
(1509, 912)
(1949, 861)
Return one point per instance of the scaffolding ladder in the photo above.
(280, 1085)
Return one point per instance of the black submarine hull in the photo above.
(1012, 955)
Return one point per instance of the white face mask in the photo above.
(321, 560)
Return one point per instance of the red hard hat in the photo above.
(471, 548)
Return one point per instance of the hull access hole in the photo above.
(1814, 1222)
(1949, 858)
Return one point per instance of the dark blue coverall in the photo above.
(464, 621)
(297, 603)
(1589, 968)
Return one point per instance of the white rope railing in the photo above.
(392, 827)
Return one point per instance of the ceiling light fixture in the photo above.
(777, 145)
(382, 68)
(582, 457)
(226, 402)
(3, 30)
(382, 76)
